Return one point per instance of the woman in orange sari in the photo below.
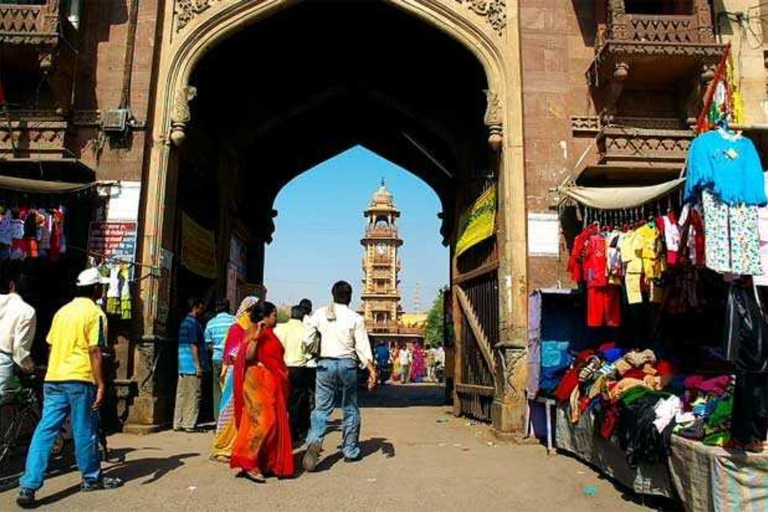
(263, 445)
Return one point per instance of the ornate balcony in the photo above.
(32, 134)
(674, 44)
(34, 25)
(636, 149)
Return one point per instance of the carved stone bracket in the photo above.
(181, 114)
(186, 10)
(494, 120)
(494, 12)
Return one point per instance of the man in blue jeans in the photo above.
(343, 346)
(74, 386)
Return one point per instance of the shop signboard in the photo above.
(479, 222)
(113, 240)
(198, 249)
(543, 234)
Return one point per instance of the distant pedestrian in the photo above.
(17, 325)
(192, 364)
(306, 306)
(431, 375)
(215, 335)
(291, 335)
(405, 358)
(74, 387)
(382, 362)
(344, 346)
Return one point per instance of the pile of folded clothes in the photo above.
(641, 401)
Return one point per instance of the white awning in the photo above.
(617, 198)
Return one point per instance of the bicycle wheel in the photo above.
(11, 438)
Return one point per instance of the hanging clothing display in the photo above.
(31, 233)
(725, 175)
(727, 164)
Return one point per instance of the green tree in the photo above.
(434, 332)
(283, 314)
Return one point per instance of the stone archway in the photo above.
(488, 29)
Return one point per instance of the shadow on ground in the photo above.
(408, 395)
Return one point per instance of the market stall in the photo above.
(665, 388)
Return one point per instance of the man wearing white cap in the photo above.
(74, 386)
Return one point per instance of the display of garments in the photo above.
(604, 306)
(113, 292)
(126, 302)
(666, 410)
(727, 165)
(695, 241)
(732, 240)
(639, 359)
(671, 233)
(6, 231)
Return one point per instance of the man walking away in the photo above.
(291, 335)
(306, 306)
(343, 345)
(74, 386)
(17, 325)
(215, 336)
(192, 359)
(405, 364)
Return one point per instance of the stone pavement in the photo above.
(417, 457)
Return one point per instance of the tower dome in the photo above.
(383, 195)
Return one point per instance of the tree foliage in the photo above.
(434, 332)
(283, 314)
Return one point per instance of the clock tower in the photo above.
(381, 267)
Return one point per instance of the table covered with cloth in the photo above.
(606, 455)
(709, 478)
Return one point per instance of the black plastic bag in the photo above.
(745, 340)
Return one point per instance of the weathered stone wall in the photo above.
(99, 83)
(557, 49)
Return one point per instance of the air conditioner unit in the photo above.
(116, 120)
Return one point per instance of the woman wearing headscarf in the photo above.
(226, 431)
(263, 445)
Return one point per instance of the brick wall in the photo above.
(557, 38)
(103, 41)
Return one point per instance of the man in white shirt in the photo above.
(405, 364)
(344, 345)
(17, 326)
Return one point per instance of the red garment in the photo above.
(571, 378)
(575, 269)
(595, 263)
(235, 337)
(263, 442)
(604, 306)
(609, 422)
(698, 238)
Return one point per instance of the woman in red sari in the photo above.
(263, 444)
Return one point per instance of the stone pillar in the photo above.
(508, 411)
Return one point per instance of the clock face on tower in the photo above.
(381, 248)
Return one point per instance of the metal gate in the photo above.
(475, 296)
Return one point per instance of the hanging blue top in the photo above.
(728, 165)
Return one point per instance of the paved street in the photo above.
(416, 458)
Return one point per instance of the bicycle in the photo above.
(22, 409)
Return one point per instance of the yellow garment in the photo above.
(291, 335)
(631, 246)
(650, 251)
(624, 385)
(76, 328)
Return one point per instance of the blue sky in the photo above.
(320, 222)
